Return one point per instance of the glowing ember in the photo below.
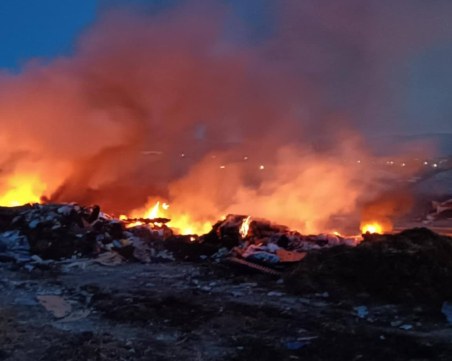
(134, 224)
(22, 189)
(245, 227)
(373, 227)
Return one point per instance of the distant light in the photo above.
(222, 166)
(425, 163)
(182, 155)
(261, 167)
(434, 165)
(245, 158)
(358, 161)
(403, 164)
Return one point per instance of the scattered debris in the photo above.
(406, 327)
(361, 311)
(252, 266)
(109, 259)
(55, 304)
(76, 316)
(440, 210)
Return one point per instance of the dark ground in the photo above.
(185, 311)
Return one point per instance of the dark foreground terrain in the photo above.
(184, 311)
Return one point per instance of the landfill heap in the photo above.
(413, 266)
(62, 231)
(262, 242)
(68, 231)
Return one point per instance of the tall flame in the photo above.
(154, 212)
(245, 227)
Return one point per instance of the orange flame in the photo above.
(245, 227)
(184, 224)
(22, 189)
(153, 212)
(372, 227)
(181, 223)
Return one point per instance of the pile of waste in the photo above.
(62, 231)
(412, 266)
(262, 242)
(70, 231)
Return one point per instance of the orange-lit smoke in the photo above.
(377, 215)
(172, 108)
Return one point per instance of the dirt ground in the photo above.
(186, 311)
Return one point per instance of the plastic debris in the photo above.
(361, 311)
(406, 327)
(55, 304)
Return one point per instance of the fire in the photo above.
(373, 227)
(155, 211)
(182, 223)
(245, 227)
(22, 189)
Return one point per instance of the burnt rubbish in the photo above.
(64, 231)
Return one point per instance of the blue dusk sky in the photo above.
(45, 29)
(41, 28)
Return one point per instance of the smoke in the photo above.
(188, 105)
(386, 208)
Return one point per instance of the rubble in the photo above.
(440, 210)
(68, 231)
(55, 304)
(412, 265)
(267, 243)
(63, 231)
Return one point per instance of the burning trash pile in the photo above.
(262, 242)
(65, 231)
(61, 231)
(412, 265)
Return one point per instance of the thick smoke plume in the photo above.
(188, 106)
